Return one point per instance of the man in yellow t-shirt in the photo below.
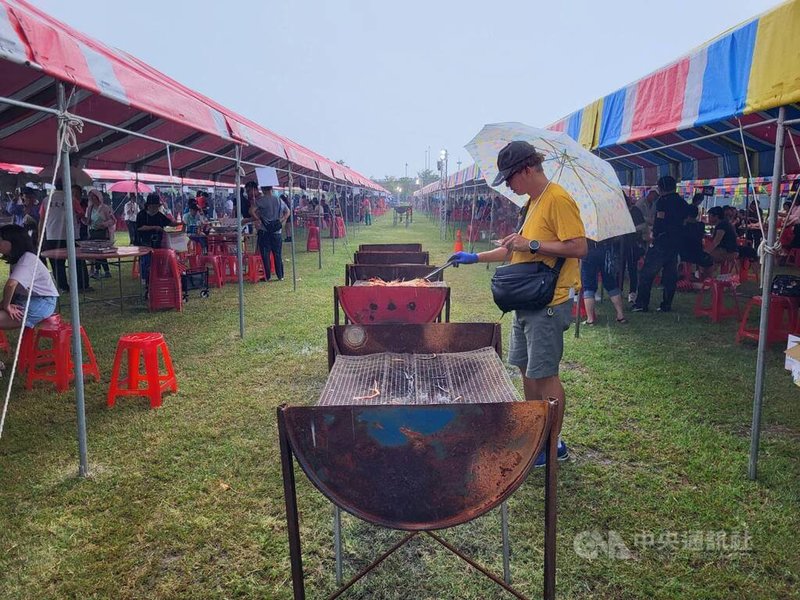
(551, 229)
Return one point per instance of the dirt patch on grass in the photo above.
(589, 455)
(775, 430)
(571, 365)
(782, 431)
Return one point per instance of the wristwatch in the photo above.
(534, 246)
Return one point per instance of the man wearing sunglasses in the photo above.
(550, 227)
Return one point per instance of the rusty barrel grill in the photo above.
(354, 272)
(418, 429)
(371, 304)
(368, 304)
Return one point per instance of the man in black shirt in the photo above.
(671, 211)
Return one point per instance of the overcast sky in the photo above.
(378, 82)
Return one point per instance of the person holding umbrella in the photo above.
(550, 229)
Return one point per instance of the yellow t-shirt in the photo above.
(555, 218)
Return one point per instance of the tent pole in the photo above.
(491, 217)
(333, 218)
(471, 228)
(291, 209)
(214, 200)
(320, 221)
(766, 290)
(75, 315)
(173, 195)
(237, 181)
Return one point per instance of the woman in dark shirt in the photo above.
(691, 248)
(150, 223)
(722, 246)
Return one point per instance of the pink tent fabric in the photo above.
(112, 87)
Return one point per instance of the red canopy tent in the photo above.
(59, 85)
(130, 111)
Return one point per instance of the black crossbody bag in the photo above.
(525, 286)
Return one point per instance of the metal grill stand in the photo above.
(418, 468)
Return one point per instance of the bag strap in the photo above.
(558, 265)
(532, 204)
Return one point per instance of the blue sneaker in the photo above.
(562, 454)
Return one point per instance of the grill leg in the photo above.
(506, 544)
(337, 542)
(550, 486)
(292, 522)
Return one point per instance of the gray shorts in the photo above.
(537, 339)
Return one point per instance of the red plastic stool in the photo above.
(749, 270)
(54, 362)
(716, 308)
(685, 274)
(214, 264)
(230, 268)
(254, 268)
(312, 244)
(142, 346)
(28, 336)
(4, 345)
(339, 230)
(583, 308)
(164, 288)
(781, 322)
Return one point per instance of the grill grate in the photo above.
(368, 283)
(459, 377)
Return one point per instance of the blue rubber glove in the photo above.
(463, 258)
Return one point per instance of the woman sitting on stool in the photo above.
(27, 271)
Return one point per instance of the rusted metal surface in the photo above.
(363, 272)
(391, 304)
(428, 338)
(391, 258)
(417, 467)
(390, 247)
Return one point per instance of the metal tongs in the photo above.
(435, 272)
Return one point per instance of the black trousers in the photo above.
(664, 259)
(60, 267)
(131, 231)
(271, 243)
(631, 253)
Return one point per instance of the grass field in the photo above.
(187, 501)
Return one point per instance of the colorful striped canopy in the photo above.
(740, 77)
